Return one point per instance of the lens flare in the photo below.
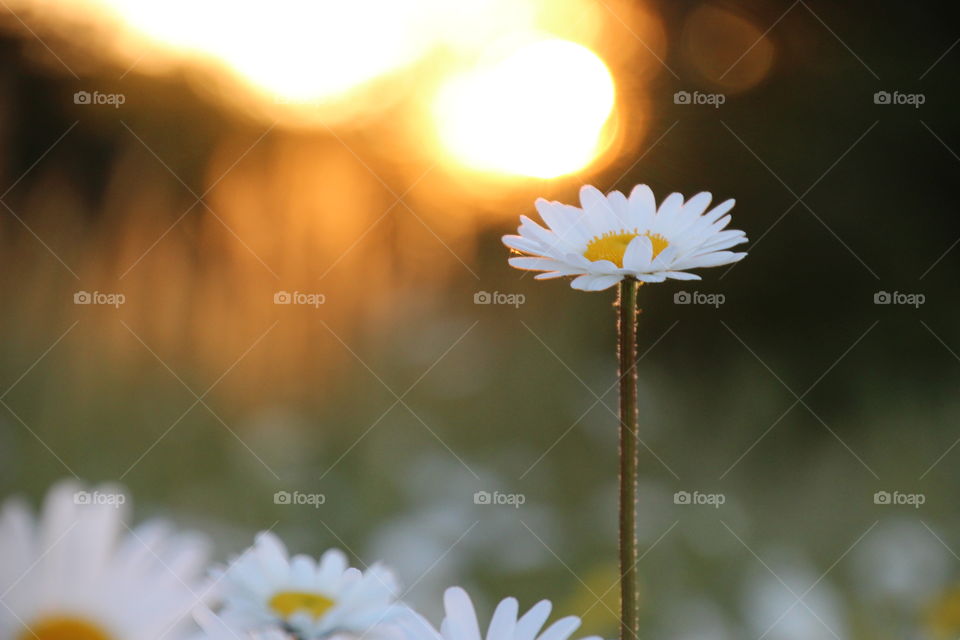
(726, 48)
(540, 111)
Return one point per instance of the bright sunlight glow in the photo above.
(292, 49)
(539, 111)
(503, 94)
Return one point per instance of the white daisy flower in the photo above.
(264, 588)
(79, 573)
(460, 622)
(613, 237)
(214, 628)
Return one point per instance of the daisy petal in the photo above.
(621, 207)
(595, 282)
(519, 243)
(504, 620)
(710, 260)
(561, 629)
(664, 258)
(643, 206)
(594, 202)
(460, 614)
(718, 211)
(639, 253)
(670, 206)
(529, 625)
(534, 264)
(650, 277)
(558, 217)
(681, 275)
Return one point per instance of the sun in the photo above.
(539, 111)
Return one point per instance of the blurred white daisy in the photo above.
(265, 588)
(613, 237)
(79, 573)
(460, 622)
(214, 628)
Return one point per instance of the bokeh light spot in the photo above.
(726, 48)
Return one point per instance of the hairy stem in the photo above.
(627, 330)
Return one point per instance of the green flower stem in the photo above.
(629, 597)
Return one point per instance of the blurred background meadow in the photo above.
(250, 267)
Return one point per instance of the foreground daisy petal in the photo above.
(79, 571)
(214, 628)
(460, 622)
(612, 237)
(265, 588)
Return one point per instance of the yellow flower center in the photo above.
(287, 603)
(63, 628)
(612, 245)
(944, 614)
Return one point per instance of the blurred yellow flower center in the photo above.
(287, 603)
(63, 628)
(612, 245)
(944, 614)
